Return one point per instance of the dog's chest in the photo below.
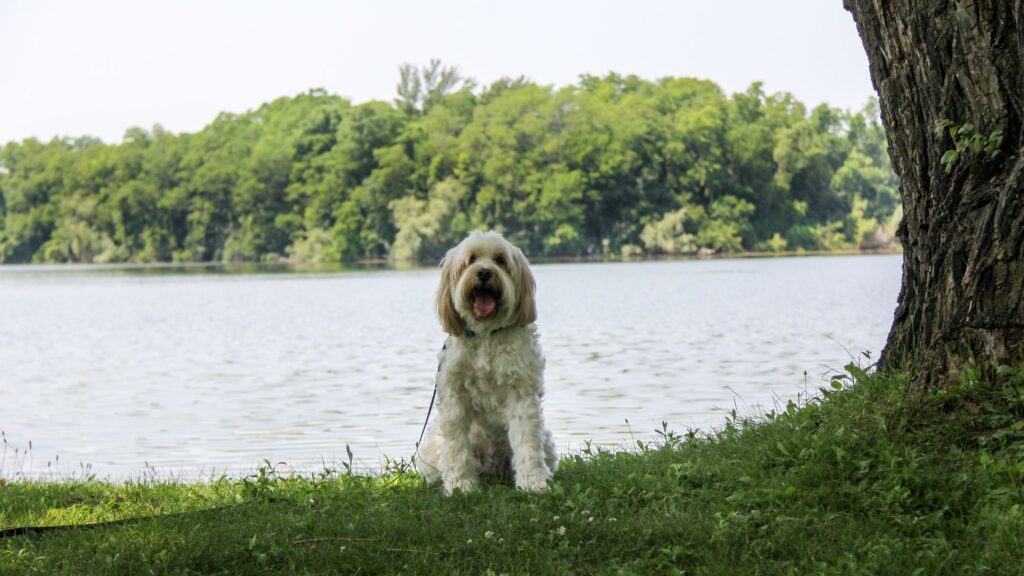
(487, 373)
(484, 365)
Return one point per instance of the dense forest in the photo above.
(612, 165)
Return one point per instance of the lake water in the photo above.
(188, 373)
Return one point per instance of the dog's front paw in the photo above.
(464, 485)
(535, 485)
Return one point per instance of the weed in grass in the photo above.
(18, 463)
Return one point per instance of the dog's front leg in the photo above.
(526, 438)
(458, 464)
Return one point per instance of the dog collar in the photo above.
(469, 333)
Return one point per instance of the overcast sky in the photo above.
(98, 67)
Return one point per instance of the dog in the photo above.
(490, 379)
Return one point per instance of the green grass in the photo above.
(866, 479)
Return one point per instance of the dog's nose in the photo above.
(483, 275)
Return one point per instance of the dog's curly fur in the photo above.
(490, 381)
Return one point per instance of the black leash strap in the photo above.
(429, 409)
(423, 431)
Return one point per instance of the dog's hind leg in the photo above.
(428, 461)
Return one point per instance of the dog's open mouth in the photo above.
(485, 301)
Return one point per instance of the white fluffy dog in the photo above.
(490, 378)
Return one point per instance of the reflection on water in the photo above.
(199, 372)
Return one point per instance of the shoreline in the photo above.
(384, 264)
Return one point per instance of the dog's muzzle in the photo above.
(485, 299)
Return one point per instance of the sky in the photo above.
(97, 68)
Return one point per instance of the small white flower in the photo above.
(470, 541)
(500, 540)
(613, 519)
(561, 530)
(488, 534)
(556, 518)
(591, 519)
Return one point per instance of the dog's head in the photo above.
(486, 284)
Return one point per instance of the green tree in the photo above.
(607, 165)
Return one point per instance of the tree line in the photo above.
(613, 165)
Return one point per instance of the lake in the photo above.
(192, 372)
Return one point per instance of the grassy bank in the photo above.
(868, 479)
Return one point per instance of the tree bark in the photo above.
(962, 300)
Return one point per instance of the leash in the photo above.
(423, 431)
(430, 409)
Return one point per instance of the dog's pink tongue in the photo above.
(484, 304)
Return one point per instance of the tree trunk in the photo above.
(962, 300)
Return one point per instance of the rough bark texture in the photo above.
(962, 299)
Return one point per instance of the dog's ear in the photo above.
(526, 308)
(451, 322)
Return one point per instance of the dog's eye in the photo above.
(500, 260)
(472, 258)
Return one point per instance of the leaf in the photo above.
(856, 372)
(966, 129)
(995, 141)
(948, 159)
(975, 144)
